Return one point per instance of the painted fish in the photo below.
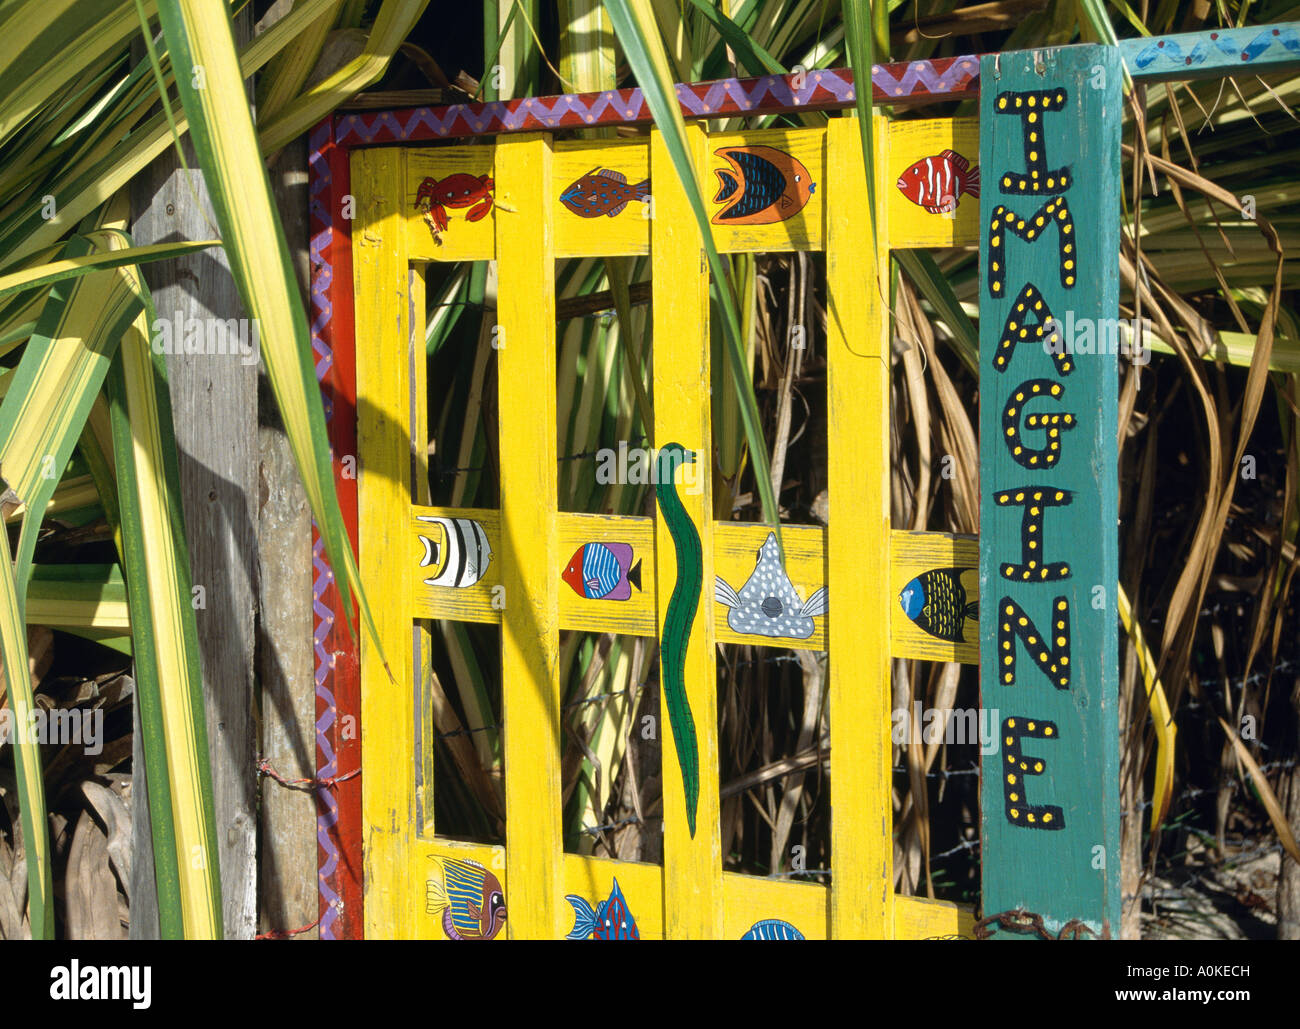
(937, 183)
(763, 185)
(767, 605)
(456, 550)
(936, 602)
(602, 191)
(470, 898)
(610, 920)
(603, 571)
(772, 929)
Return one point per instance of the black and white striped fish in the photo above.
(456, 550)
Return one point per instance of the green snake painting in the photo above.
(677, 622)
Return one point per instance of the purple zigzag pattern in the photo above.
(822, 89)
(922, 77)
(321, 311)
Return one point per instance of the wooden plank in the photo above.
(934, 575)
(461, 595)
(287, 863)
(1256, 50)
(736, 552)
(383, 494)
(692, 844)
(933, 162)
(634, 616)
(747, 899)
(1048, 498)
(455, 185)
(583, 224)
(214, 404)
(857, 387)
(530, 675)
(746, 560)
(742, 222)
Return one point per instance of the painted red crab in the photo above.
(458, 190)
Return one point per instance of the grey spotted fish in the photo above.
(767, 605)
(772, 929)
(602, 191)
(936, 602)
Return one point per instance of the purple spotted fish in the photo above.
(602, 191)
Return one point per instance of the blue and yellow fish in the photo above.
(936, 602)
(471, 900)
(772, 929)
(610, 920)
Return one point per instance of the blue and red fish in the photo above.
(762, 186)
(603, 571)
(937, 183)
(603, 191)
(610, 920)
(470, 898)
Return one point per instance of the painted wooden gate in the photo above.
(1046, 147)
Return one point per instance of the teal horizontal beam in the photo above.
(1213, 54)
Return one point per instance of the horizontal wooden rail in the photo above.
(1188, 55)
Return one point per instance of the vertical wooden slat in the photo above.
(857, 543)
(421, 638)
(692, 865)
(1049, 537)
(528, 554)
(392, 889)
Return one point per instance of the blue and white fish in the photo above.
(603, 571)
(772, 929)
(610, 920)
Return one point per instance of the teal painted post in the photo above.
(1049, 665)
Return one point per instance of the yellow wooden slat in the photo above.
(913, 140)
(528, 557)
(625, 233)
(463, 240)
(803, 227)
(422, 640)
(746, 898)
(911, 554)
(692, 866)
(383, 440)
(857, 386)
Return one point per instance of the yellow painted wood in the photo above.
(422, 639)
(478, 603)
(528, 557)
(857, 386)
(910, 555)
(463, 240)
(746, 899)
(383, 438)
(804, 230)
(632, 617)
(692, 866)
(735, 553)
(627, 232)
(912, 226)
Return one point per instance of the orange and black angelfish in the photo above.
(763, 185)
